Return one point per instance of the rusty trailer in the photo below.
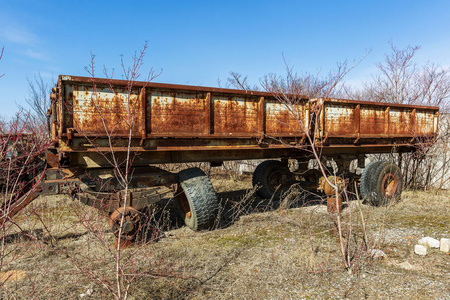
(99, 125)
(177, 123)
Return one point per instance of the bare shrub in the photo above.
(124, 265)
(38, 100)
(103, 266)
(309, 85)
(349, 227)
(21, 166)
(403, 81)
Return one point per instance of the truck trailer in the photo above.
(111, 139)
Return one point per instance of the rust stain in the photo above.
(200, 117)
(339, 119)
(372, 120)
(399, 121)
(235, 115)
(177, 113)
(424, 123)
(282, 119)
(102, 111)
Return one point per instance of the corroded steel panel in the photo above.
(362, 119)
(174, 122)
(424, 123)
(176, 113)
(372, 120)
(400, 121)
(285, 120)
(102, 111)
(235, 115)
(339, 119)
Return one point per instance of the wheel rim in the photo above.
(389, 185)
(275, 180)
(184, 204)
(131, 221)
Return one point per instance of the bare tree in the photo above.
(310, 85)
(396, 82)
(294, 87)
(403, 81)
(21, 166)
(121, 162)
(291, 91)
(1, 55)
(240, 82)
(38, 99)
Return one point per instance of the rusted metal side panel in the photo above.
(161, 110)
(400, 122)
(425, 123)
(102, 111)
(195, 114)
(234, 115)
(372, 121)
(339, 119)
(171, 123)
(361, 119)
(176, 113)
(282, 120)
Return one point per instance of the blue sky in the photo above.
(199, 42)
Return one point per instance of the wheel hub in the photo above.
(130, 224)
(389, 185)
(275, 179)
(184, 203)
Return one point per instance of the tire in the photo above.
(197, 200)
(386, 184)
(366, 176)
(268, 177)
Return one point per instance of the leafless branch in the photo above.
(1, 55)
(38, 100)
(240, 82)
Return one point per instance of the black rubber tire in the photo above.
(386, 184)
(197, 200)
(366, 178)
(262, 175)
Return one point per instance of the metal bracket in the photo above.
(70, 134)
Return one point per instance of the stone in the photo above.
(88, 293)
(377, 253)
(406, 265)
(423, 241)
(429, 242)
(445, 245)
(433, 243)
(420, 250)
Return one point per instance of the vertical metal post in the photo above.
(261, 117)
(208, 130)
(386, 120)
(143, 96)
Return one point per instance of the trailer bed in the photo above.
(179, 123)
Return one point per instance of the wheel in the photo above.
(386, 184)
(131, 222)
(366, 178)
(197, 200)
(271, 177)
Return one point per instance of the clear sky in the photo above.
(199, 42)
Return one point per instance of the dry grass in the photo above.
(260, 250)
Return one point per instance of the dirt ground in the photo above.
(260, 249)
